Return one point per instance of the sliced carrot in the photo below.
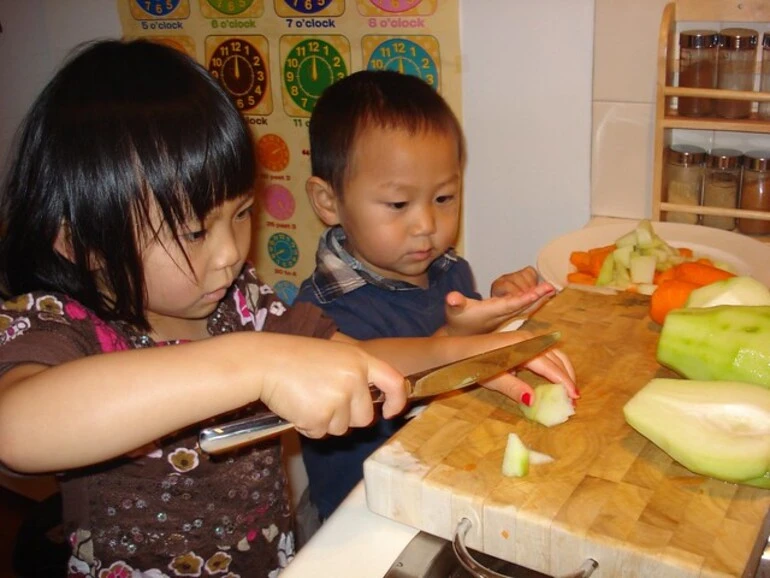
(604, 249)
(705, 261)
(685, 252)
(581, 278)
(661, 276)
(700, 273)
(597, 256)
(581, 260)
(669, 295)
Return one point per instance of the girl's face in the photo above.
(401, 205)
(179, 300)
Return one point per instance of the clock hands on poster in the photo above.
(405, 55)
(311, 65)
(241, 69)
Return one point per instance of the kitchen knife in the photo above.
(428, 383)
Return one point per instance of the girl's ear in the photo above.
(63, 243)
(323, 200)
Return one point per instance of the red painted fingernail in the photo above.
(526, 399)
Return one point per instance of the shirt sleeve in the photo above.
(36, 329)
(299, 319)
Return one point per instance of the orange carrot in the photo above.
(700, 273)
(661, 276)
(597, 256)
(581, 260)
(669, 295)
(603, 249)
(685, 252)
(581, 278)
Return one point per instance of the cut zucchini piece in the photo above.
(516, 457)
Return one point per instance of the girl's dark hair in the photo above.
(121, 128)
(380, 99)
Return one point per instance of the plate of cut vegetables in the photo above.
(637, 256)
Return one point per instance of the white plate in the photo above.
(748, 256)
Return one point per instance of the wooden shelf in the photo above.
(666, 115)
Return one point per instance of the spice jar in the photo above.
(682, 180)
(755, 191)
(764, 82)
(721, 183)
(737, 54)
(697, 69)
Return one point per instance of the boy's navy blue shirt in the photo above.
(365, 305)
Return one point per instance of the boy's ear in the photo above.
(323, 200)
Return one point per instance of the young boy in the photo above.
(387, 157)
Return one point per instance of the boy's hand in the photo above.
(466, 316)
(516, 283)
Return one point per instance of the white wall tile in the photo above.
(621, 163)
(625, 49)
(526, 112)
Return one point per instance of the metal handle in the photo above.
(478, 570)
(235, 434)
(229, 436)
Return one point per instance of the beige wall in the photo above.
(625, 61)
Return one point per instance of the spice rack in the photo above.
(666, 115)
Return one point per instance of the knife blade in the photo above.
(476, 368)
(428, 383)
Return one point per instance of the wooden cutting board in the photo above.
(610, 494)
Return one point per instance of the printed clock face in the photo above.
(279, 202)
(272, 153)
(241, 70)
(395, 5)
(310, 66)
(407, 57)
(283, 250)
(307, 6)
(231, 7)
(158, 7)
(286, 291)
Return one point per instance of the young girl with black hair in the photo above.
(137, 319)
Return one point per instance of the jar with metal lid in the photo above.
(755, 191)
(697, 69)
(735, 71)
(764, 82)
(683, 180)
(721, 184)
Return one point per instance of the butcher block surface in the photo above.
(609, 494)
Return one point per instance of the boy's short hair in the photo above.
(121, 128)
(368, 98)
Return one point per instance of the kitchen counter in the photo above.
(354, 543)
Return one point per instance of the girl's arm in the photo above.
(103, 406)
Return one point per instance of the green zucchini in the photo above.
(714, 428)
(726, 342)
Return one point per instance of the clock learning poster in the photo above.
(275, 57)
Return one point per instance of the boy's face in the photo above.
(179, 301)
(401, 205)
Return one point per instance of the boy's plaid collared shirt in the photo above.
(337, 272)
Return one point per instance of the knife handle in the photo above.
(235, 434)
